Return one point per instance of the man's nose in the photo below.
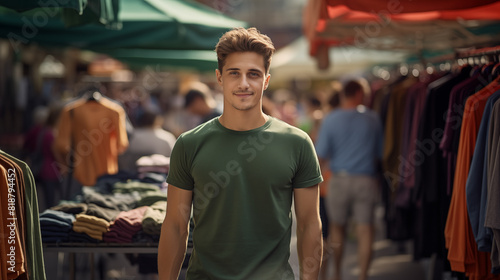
(244, 83)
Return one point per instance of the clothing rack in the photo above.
(466, 55)
(488, 51)
(479, 56)
(445, 62)
(441, 59)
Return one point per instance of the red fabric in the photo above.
(344, 14)
(319, 14)
(408, 6)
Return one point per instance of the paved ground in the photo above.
(388, 263)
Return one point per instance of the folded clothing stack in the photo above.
(151, 198)
(134, 186)
(154, 163)
(153, 218)
(108, 201)
(101, 212)
(70, 207)
(90, 225)
(126, 224)
(55, 225)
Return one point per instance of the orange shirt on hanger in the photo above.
(98, 132)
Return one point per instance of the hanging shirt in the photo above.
(13, 225)
(493, 206)
(33, 240)
(415, 102)
(476, 185)
(429, 191)
(96, 133)
(449, 142)
(393, 134)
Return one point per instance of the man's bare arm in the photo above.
(309, 238)
(174, 233)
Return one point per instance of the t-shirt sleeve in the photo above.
(308, 171)
(179, 173)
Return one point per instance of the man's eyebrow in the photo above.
(256, 70)
(251, 70)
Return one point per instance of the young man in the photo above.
(238, 174)
(350, 138)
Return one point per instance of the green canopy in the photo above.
(71, 12)
(201, 60)
(166, 33)
(146, 24)
(26, 5)
(103, 12)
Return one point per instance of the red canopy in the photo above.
(407, 6)
(401, 24)
(399, 13)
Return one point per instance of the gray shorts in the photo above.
(352, 194)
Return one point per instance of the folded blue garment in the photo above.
(58, 215)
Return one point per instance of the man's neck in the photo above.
(243, 120)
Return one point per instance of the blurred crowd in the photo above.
(154, 119)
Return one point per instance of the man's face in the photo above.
(243, 81)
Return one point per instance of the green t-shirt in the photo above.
(242, 183)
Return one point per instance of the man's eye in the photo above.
(255, 75)
(233, 73)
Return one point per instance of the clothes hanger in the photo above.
(94, 96)
(91, 92)
(495, 70)
(487, 68)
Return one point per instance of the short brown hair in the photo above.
(354, 86)
(244, 40)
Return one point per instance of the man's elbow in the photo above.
(311, 226)
(176, 228)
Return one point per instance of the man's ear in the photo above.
(266, 83)
(218, 74)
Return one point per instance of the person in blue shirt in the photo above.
(350, 142)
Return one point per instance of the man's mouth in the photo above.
(243, 93)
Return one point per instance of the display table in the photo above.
(134, 248)
(91, 248)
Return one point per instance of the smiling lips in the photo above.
(243, 93)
